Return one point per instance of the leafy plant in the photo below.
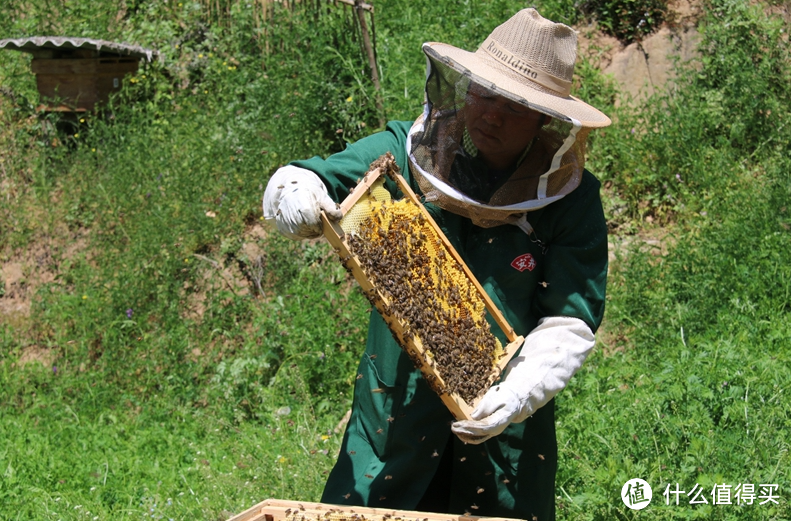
(627, 20)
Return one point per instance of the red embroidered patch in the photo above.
(524, 262)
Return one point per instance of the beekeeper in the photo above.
(498, 154)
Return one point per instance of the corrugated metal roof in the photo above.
(64, 42)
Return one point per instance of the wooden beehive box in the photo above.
(78, 74)
(432, 303)
(280, 510)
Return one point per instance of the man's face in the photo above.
(500, 129)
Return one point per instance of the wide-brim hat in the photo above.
(529, 59)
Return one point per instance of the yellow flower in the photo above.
(85, 297)
(349, 99)
(200, 56)
(82, 120)
(93, 150)
(77, 135)
(281, 459)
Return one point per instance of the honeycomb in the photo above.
(410, 273)
(426, 289)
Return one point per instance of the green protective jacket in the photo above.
(396, 436)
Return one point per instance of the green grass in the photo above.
(193, 362)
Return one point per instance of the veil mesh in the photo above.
(444, 163)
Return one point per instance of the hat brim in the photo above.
(477, 68)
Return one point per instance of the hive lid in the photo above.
(105, 48)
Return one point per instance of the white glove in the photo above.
(294, 198)
(550, 356)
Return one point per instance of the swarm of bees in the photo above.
(436, 309)
(426, 290)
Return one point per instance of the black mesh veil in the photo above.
(447, 166)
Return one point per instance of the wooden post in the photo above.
(369, 50)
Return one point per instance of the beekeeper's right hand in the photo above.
(295, 198)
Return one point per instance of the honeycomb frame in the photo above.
(468, 295)
(283, 510)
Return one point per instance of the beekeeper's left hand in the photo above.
(550, 356)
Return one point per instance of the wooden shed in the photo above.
(78, 74)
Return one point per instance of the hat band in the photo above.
(524, 69)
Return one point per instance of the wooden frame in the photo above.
(336, 236)
(280, 510)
